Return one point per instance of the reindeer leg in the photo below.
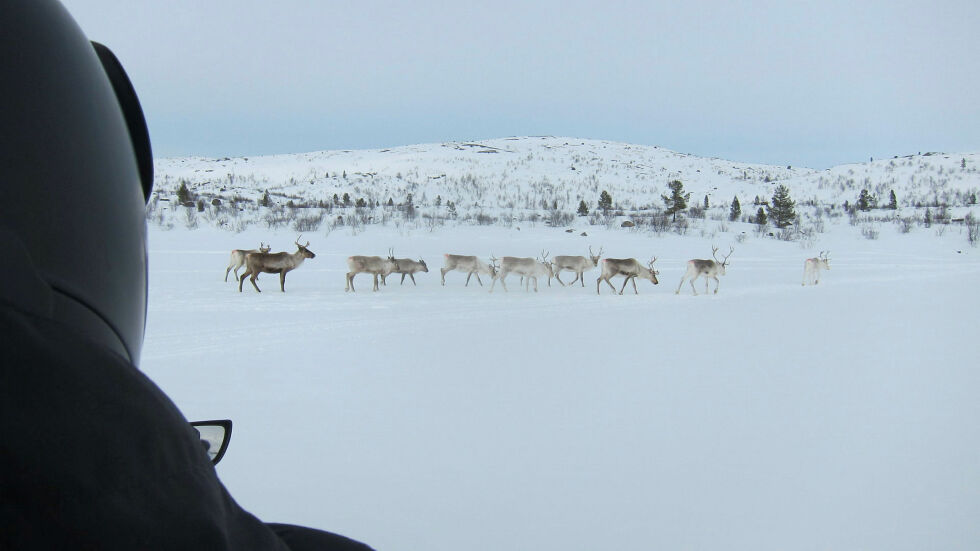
(611, 286)
(692, 284)
(252, 279)
(413, 279)
(403, 279)
(376, 282)
(478, 279)
(443, 272)
(242, 281)
(633, 279)
(681, 284)
(282, 281)
(535, 283)
(350, 282)
(559, 279)
(581, 277)
(717, 284)
(706, 285)
(625, 281)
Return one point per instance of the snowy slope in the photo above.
(521, 172)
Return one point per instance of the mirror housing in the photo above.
(215, 437)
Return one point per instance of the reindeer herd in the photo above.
(529, 269)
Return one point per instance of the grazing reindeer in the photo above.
(274, 263)
(812, 267)
(528, 268)
(469, 264)
(628, 267)
(577, 264)
(374, 265)
(238, 258)
(707, 268)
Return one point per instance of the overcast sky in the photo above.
(807, 83)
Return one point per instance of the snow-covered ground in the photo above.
(770, 416)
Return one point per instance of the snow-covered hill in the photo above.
(522, 172)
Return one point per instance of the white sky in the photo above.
(813, 83)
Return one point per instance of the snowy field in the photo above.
(770, 416)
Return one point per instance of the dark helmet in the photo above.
(75, 173)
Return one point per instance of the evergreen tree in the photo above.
(390, 202)
(677, 201)
(927, 220)
(408, 201)
(605, 201)
(438, 200)
(963, 163)
(264, 201)
(583, 209)
(781, 210)
(705, 202)
(360, 203)
(760, 217)
(892, 200)
(864, 201)
(346, 199)
(183, 194)
(336, 199)
(451, 209)
(973, 198)
(736, 210)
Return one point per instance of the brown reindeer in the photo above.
(274, 263)
(628, 267)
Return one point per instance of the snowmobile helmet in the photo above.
(75, 173)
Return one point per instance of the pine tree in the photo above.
(264, 201)
(438, 200)
(360, 203)
(677, 200)
(864, 201)
(705, 202)
(892, 200)
(963, 163)
(346, 199)
(451, 209)
(736, 210)
(781, 210)
(605, 201)
(760, 217)
(583, 209)
(183, 194)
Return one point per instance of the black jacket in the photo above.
(94, 456)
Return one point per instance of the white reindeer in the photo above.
(707, 268)
(469, 264)
(528, 268)
(274, 263)
(374, 265)
(238, 258)
(628, 267)
(577, 264)
(812, 267)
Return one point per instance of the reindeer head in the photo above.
(595, 257)
(721, 263)
(424, 267)
(263, 248)
(825, 259)
(391, 254)
(303, 249)
(493, 266)
(653, 271)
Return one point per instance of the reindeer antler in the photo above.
(544, 255)
(391, 253)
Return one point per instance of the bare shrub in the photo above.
(308, 223)
(869, 231)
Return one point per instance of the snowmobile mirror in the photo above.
(215, 436)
